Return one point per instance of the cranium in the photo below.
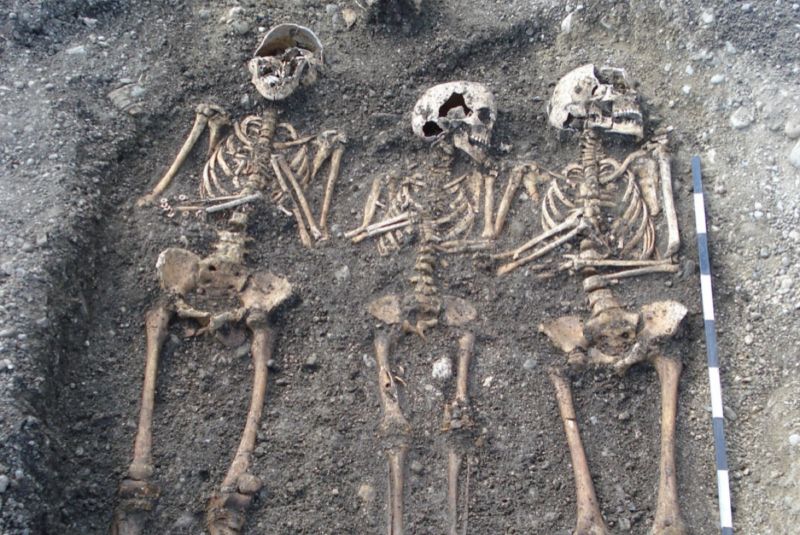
(288, 56)
(465, 110)
(588, 97)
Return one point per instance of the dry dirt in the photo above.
(77, 267)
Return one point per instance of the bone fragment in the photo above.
(589, 519)
(301, 226)
(620, 167)
(506, 268)
(667, 197)
(668, 519)
(233, 203)
(657, 268)
(300, 196)
(569, 223)
(512, 186)
(336, 161)
(488, 206)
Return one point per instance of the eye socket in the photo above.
(431, 129)
(485, 115)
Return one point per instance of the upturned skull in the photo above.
(588, 97)
(464, 112)
(288, 56)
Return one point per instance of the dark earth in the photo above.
(77, 266)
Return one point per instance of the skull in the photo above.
(602, 98)
(288, 56)
(465, 110)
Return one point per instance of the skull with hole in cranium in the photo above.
(464, 111)
(600, 98)
(288, 56)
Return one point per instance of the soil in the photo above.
(77, 267)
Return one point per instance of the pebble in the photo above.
(442, 369)
(342, 274)
(416, 467)
(747, 6)
(529, 364)
(764, 252)
(3, 483)
(717, 79)
(686, 89)
(624, 524)
(311, 363)
(794, 440)
(794, 156)
(792, 127)
(707, 17)
(748, 339)
(79, 50)
(366, 493)
(186, 520)
(689, 70)
(742, 118)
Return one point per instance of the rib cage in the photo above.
(241, 162)
(624, 221)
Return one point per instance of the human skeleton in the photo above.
(219, 292)
(609, 208)
(436, 210)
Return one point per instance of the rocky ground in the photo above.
(96, 97)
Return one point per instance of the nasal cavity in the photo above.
(455, 100)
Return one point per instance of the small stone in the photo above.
(312, 363)
(748, 339)
(624, 524)
(707, 17)
(242, 351)
(240, 27)
(623, 416)
(566, 24)
(764, 252)
(742, 118)
(686, 89)
(79, 50)
(416, 467)
(717, 79)
(79, 451)
(366, 493)
(186, 520)
(689, 70)
(792, 127)
(342, 274)
(794, 440)
(794, 156)
(442, 369)
(529, 364)
(747, 6)
(488, 381)
(27, 247)
(350, 16)
(3, 483)
(282, 381)
(8, 332)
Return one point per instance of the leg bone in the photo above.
(226, 508)
(137, 494)
(589, 519)
(668, 519)
(396, 430)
